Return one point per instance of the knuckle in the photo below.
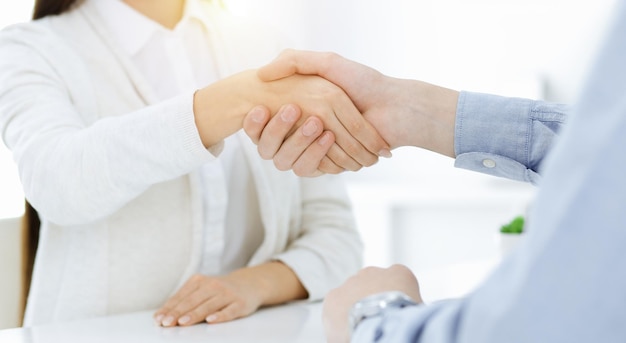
(215, 283)
(369, 270)
(370, 160)
(399, 267)
(352, 148)
(328, 167)
(196, 278)
(264, 153)
(174, 313)
(197, 314)
(367, 159)
(288, 51)
(354, 125)
(302, 171)
(234, 308)
(362, 157)
(281, 164)
(346, 162)
(329, 57)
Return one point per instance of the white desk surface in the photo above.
(294, 323)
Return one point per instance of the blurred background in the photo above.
(416, 208)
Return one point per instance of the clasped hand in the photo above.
(403, 112)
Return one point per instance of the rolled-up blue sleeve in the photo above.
(505, 137)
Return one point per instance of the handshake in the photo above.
(341, 115)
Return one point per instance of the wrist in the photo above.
(376, 305)
(271, 283)
(432, 114)
(219, 108)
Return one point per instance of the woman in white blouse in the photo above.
(123, 117)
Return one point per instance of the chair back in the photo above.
(30, 240)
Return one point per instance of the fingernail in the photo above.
(386, 153)
(158, 319)
(288, 114)
(211, 318)
(324, 139)
(167, 321)
(184, 320)
(257, 115)
(309, 128)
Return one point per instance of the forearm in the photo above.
(430, 110)
(274, 282)
(220, 107)
(411, 113)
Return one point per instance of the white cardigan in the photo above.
(113, 173)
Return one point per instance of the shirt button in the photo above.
(489, 163)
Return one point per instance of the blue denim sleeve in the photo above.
(506, 137)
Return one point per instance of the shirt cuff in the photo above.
(492, 135)
(183, 121)
(191, 136)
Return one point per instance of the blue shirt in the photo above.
(567, 280)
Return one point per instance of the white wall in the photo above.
(11, 195)
(484, 45)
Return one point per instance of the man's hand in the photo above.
(368, 281)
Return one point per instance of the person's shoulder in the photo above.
(36, 34)
(30, 44)
(26, 31)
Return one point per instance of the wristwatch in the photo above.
(375, 305)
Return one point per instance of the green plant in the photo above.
(516, 226)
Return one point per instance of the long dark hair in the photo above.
(50, 7)
(30, 221)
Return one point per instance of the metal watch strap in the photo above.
(375, 305)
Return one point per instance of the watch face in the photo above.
(375, 305)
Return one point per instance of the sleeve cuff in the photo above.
(309, 270)
(492, 135)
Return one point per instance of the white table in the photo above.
(293, 323)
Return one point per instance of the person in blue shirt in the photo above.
(566, 282)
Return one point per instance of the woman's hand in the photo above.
(210, 299)
(224, 298)
(306, 150)
(220, 108)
